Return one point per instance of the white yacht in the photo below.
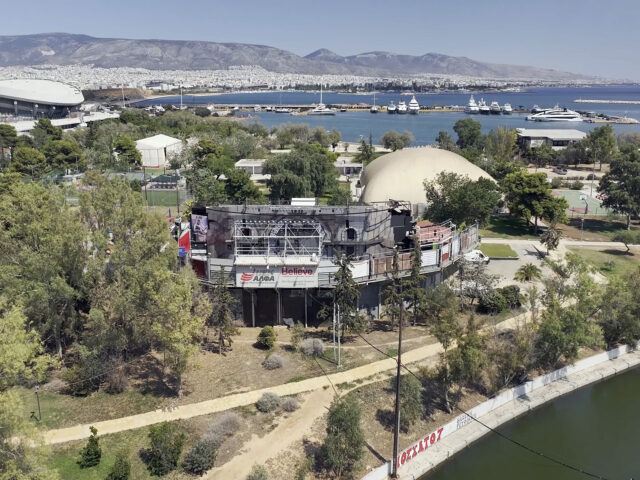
(495, 108)
(414, 106)
(556, 115)
(506, 109)
(537, 109)
(257, 108)
(392, 108)
(483, 107)
(402, 107)
(321, 108)
(472, 106)
(282, 110)
(374, 107)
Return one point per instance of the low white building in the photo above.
(157, 150)
(556, 138)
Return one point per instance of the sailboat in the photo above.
(322, 109)
(280, 108)
(374, 107)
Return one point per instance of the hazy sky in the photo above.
(598, 37)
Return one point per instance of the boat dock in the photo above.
(618, 102)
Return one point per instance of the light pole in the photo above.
(33, 414)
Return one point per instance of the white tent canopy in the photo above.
(157, 149)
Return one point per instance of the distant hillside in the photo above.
(66, 49)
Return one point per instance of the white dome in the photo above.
(44, 92)
(400, 175)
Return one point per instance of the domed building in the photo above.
(38, 98)
(400, 175)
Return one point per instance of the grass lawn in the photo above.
(594, 228)
(163, 198)
(507, 227)
(610, 262)
(497, 250)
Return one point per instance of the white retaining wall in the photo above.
(419, 448)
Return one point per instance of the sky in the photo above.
(594, 37)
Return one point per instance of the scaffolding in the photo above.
(278, 238)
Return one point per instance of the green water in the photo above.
(596, 428)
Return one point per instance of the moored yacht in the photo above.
(472, 106)
(537, 109)
(494, 108)
(321, 108)
(374, 107)
(483, 107)
(506, 109)
(402, 107)
(414, 106)
(556, 115)
(392, 108)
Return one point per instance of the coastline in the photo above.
(438, 446)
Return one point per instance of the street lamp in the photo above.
(33, 414)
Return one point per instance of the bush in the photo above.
(493, 303)
(344, 445)
(165, 449)
(91, 453)
(258, 472)
(304, 468)
(268, 402)
(297, 335)
(266, 338)
(511, 294)
(290, 404)
(556, 182)
(273, 362)
(199, 458)
(121, 469)
(226, 425)
(411, 408)
(117, 380)
(576, 185)
(313, 347)
(591, 176)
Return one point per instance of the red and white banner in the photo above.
(276, 277)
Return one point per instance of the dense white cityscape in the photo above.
(87, 77)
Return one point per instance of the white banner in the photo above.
(276, 277)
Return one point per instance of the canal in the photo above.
(596, 428)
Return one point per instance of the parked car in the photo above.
(560, 170)
(476, 256)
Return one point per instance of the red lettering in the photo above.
(403, 458)
(439, 433)
(415, 451)
(421, 449)
(432, 438)
(426, 441)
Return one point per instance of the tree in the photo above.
(8, 140)
(601, 145)
(320, 136)
(44, 131)
(267, 338)
(200, 457)
(334, 138)
(457, 197)
(396, 141)
(574, 154)
(65, 154)
(239, 188)
(127, 151)
(551, 237)
(415, 292)
(529, 195)
(500, 144)
(343, 447)
(366, 153)
(121, 469)
(628, 237)
(469, 133)
(411, 408)
(475, 282)
(340, 195)
(619, 315)
(346, 294)
(221, 317)
(91, 453)
(510, 356)
(468, 360)
(166, 444)
(202, 111)
(28, 161)
(543, 155)
(620, 186)
(393, 295)
(527, 273)
(445, 141)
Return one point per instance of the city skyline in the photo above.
(575, 36)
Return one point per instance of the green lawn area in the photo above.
(165, 198)
(507, 227)
(610, 262)
(497, 250)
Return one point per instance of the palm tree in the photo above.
(551, 237)
(527, 273)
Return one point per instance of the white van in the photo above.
(476, 256)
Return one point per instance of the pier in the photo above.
(616, 102)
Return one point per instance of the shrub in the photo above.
(556, 182)
(199, 458)
(273, 362)
(165, 449)
(411, 408)
(121, 469)
(313, 347)
(493, 303)
(304, 468)
(344, 446)
(117, 380)
(258, 472)
(511, 294)
(266, 338)
(268, 402)
(226, 425)
(91, 453)
(591, 176)
(576, 185)
(290, 404)
(297, 335)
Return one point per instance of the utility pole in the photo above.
(339, 326)
(396, 430)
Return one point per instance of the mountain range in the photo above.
(68, 49)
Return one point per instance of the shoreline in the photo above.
(462, 431)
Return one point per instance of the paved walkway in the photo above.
(568, 243)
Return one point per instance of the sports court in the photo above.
(577, 206)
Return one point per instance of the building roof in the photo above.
(250, 162)
(157, 141)
(45, 92)
(552, 133)
(400, 175)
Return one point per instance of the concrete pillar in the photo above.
(15, 107)
(253, 307)
(279, 308)
(306, 314)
